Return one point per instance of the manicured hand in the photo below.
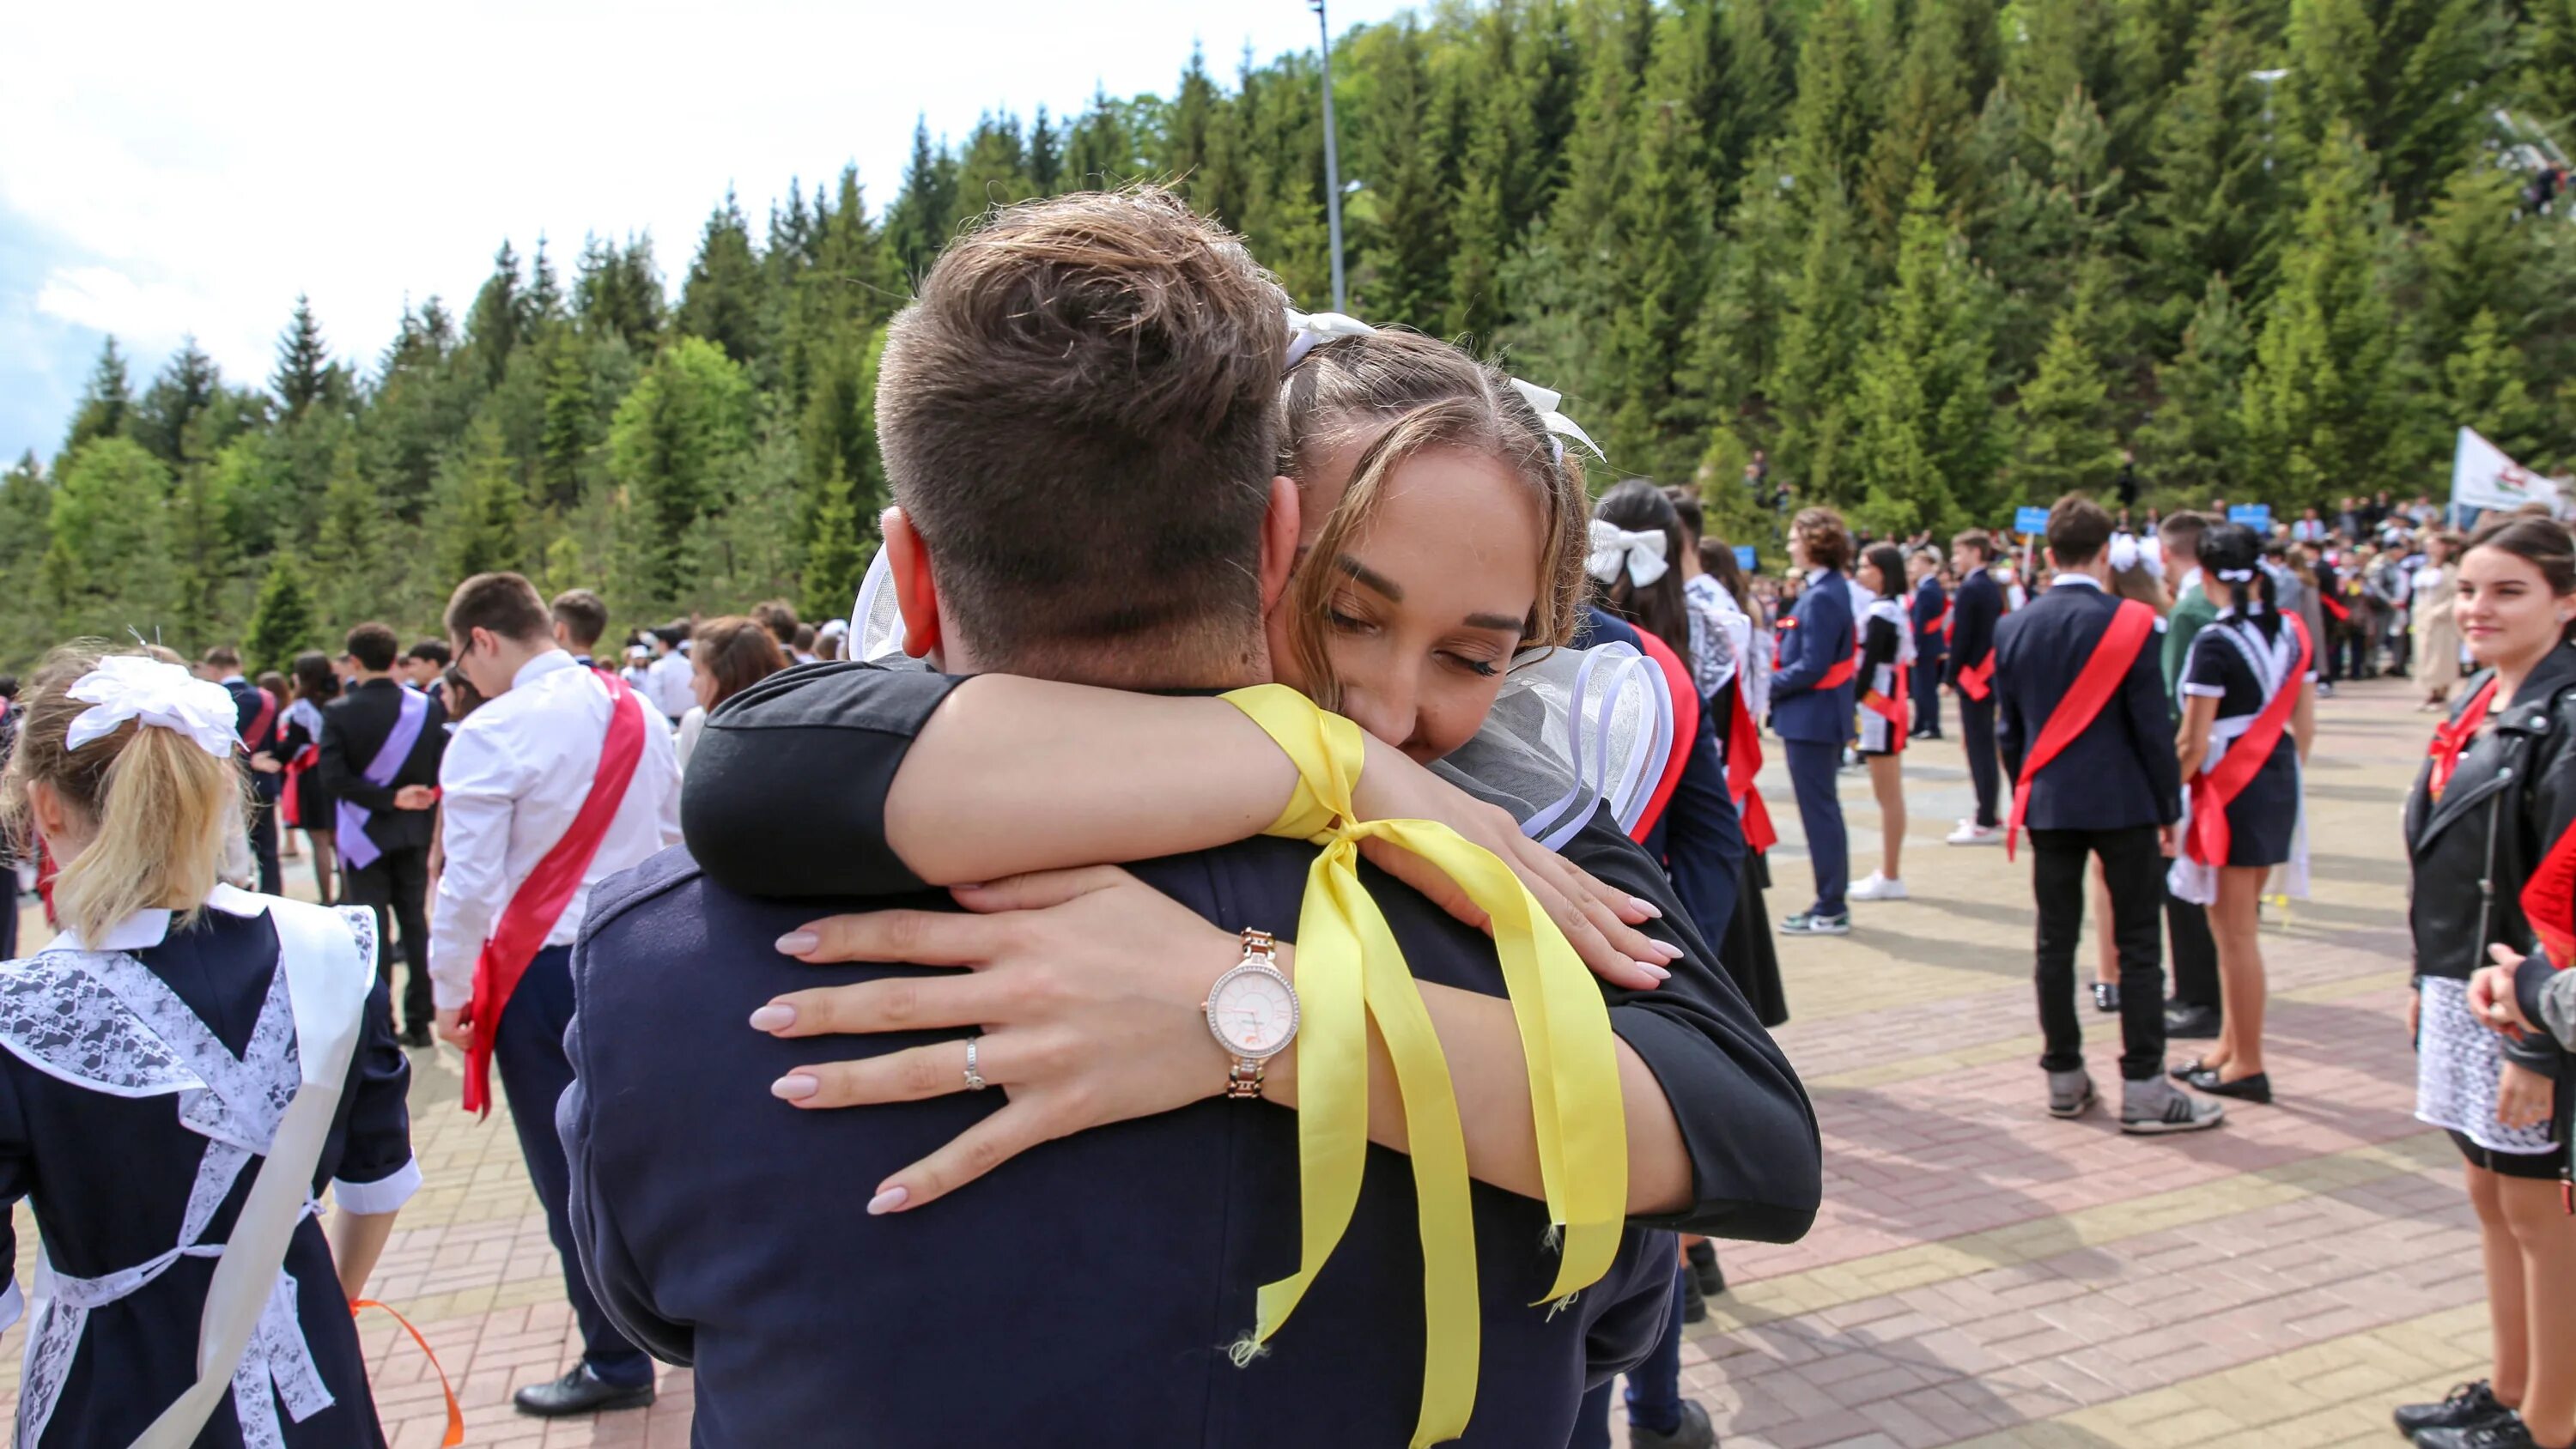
(1599, 922)
(2523, 1096)
(1088, 985)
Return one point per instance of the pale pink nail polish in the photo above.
(887, 1201)
(1651, 969)
(1652, 911)
(776, 1016)
(797, 943)
(1667, 950)
(794, 1087)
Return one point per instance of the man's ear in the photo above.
(1279, 527)
(916, 597)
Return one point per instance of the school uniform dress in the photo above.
(378, 738)
(2105, 794)
(141, 1085)
(515, 775)
(1747, 950)
(1930, 611)
(1813, 719)
(1886, 686)
(2498, 805)
(257, 726)
(1155, 1233)
(2235, 662)
(1973, 616)
(2194, 951)
(299, 747)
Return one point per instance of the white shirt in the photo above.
(670, 685)
(516, 773)
(2084, 580)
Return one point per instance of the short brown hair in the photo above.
(374, 646)
(583, 616)
(2078, 530)
(737, 653)
(1079, 415)
(1827, 538)
(779, 617)
(505, 604)
(1979, 542)
(222, 656)
(2183, 530)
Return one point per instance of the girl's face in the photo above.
(1875, 581)
(2505, 609)
(703, 685)
(1428, 602)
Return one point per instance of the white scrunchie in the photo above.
(1614, 548)
(135, 687)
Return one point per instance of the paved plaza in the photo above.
(1981, 1274)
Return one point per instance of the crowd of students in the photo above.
(1399, 712)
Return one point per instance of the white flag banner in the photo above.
(2483, 477)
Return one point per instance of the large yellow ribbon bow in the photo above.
(1349, 972)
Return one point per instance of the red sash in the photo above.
(257, 739)
(2452, 736)
(1892, 710)
(542, 897)
(2333, 606)
(304, 760)
(1743, 762)
(1976, 681)
(1834, 678)
(2132, 625)
(2212, 790)
(1685, 696)
(2549, 902)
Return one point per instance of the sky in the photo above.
(170, 169)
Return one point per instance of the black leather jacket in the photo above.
(2512, 795)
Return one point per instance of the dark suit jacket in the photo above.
(354, 727)
(1980, 602)
(248, 703)
(1820, 635)
(2121, 771)
(1929, 601)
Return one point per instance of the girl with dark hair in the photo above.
(2249, 713)
(2494, 807)
(1886, 657)
(309, 807)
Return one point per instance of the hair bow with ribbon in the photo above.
(137, 687)
(1615, 548)
(1309, 330)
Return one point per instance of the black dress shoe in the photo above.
(1703, 1266)
(415, 1035)
(2254, 1088)
(1694, 1307)
(2106, 997)
(579, 1392)
(2192, 1023)
(2467, 1406)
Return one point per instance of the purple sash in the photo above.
(355, 848)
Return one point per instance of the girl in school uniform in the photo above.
(183, 1071)
(310, 807)
(1886, 661)
(2249, 712)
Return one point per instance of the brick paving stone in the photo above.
(1981, 1274)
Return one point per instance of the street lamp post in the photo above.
(1332, 162)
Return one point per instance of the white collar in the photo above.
(1818, 575)
(2087, 580)
(148, 928)
(231, 679)
(2190, 581)
(543, 664)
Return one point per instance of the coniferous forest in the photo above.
(1934, 257)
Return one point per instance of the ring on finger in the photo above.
(974, 1078)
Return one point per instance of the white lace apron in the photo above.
(2458, 1061)
(103, 1021)
(2272, 664)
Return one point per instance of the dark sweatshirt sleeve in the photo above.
(1757, 1166)
(785, 796)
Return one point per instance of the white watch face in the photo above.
(1253, 1013)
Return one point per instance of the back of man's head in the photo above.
(374, 646)
(2181, 533)
(778, 617)
(223, 658)
(1080, 418)
(2078, 530)
(583, 618)
(505, 605)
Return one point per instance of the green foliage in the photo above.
(104, 569)
(2194, 445)
(283, 623)
(1928, 432)
(2067, 443)
(303, 372)
(672, 447)
(105, 404)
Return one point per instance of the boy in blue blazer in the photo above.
(1813, 695)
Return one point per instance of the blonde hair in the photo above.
(1428, 395)
(162, 809)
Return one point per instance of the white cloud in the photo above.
(192, 168)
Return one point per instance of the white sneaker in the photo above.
(1971, 833)
(1878, 888)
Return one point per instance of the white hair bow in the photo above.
(2129, 551)
(1309, 330)
(133, 686)
(1613, 547)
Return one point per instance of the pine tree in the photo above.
(995, 171)
(617, 291)
(925, 210)
(283, 623)
(2483, 384)
(1927, 438)
(485, 516)
(1811, 381)
(565, 438)
(1663, 267)
(1928, 118)
(2067, 442)
(493, 324)
(721, 300)
(837, 558)
(1046, 154)
(1404, 260)
(2213, 197)
(106, 566)
(105, 404)
(1831, 120)
(2412, 82)
(671, 447)
(1185, 124)
(350, 545)
(303, 363)
(1099, 152)
(170, 408)
(2194, 444)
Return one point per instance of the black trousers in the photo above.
(398, 882)
(2133, 864)
(1926, 684)
(527, 1048)
(2195, 952)
(263, 846)
(1977, 737)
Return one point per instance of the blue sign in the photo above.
(2028, 519)
(1744, 557)
(2256, 516)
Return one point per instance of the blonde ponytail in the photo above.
(161, 808)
